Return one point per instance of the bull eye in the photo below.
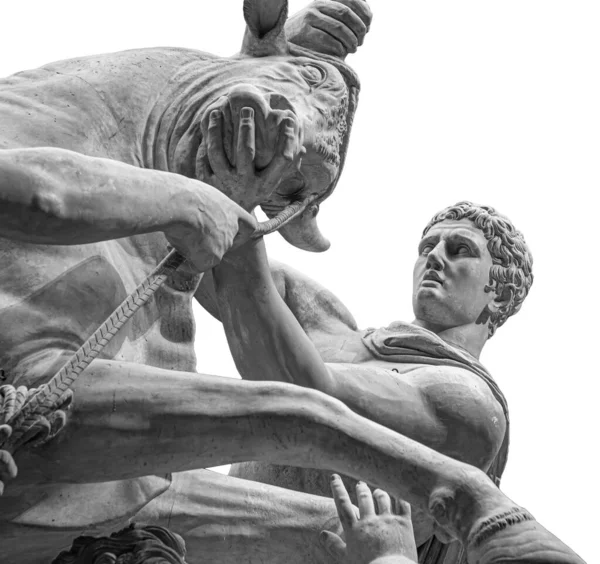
(292, 186)
(313, 74)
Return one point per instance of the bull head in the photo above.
(278, 80)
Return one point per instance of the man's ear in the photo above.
(500, 302)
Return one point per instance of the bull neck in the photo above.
(172, 135)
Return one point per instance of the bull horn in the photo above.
(304, 233)
(265, 32)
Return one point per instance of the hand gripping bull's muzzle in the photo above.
(270, 109)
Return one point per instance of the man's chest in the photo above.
(350, 350)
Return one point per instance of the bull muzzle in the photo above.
(303, 231)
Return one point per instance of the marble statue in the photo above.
(106, 162)
(422, 379)
(375, 534)
(134, 544)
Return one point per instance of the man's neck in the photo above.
(470, 338)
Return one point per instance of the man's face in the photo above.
(450, 275)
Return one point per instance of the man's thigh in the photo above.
(227, 520)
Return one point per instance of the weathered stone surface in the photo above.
(101, 167)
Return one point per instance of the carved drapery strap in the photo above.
(497, 523)
(515, 536)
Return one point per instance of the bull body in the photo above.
(146, 108)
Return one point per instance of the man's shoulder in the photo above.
(444, 387)
(424, 376)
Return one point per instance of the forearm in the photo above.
(54, 196)
(265, 338)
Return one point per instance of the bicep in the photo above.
(455, 415)
(389, 399)
(474, 421)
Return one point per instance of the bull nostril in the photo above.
(279, 102)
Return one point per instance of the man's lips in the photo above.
(433, 276)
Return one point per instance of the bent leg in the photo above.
(233, 521)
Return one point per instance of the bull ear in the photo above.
(265, 33)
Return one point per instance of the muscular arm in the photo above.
(266, 340)
(55, 196)
(319, 312)
(131, 420)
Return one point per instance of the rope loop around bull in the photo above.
(283, 217)
(38, 430)
(35, 416)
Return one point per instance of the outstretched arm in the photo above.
(59, 197)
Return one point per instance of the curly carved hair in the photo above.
(510, 275)
(136, 544)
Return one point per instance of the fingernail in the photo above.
(334, 477)
(215, 114)
(247, 112)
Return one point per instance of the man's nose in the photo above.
(436, 258)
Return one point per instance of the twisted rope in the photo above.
(283, 217)
(40, 402)
(37, 430)
(47, 395)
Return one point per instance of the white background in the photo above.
(496, 102)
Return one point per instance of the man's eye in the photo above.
(463, 250)
(313, 74)
(426, 249)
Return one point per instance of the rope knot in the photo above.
(35, 430)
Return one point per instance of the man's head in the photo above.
(473, 266)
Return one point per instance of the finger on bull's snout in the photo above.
(216, 155)
(246, 144)
(288, 153)
(266, 122)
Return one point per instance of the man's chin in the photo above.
(427, 301)
(429, 291)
